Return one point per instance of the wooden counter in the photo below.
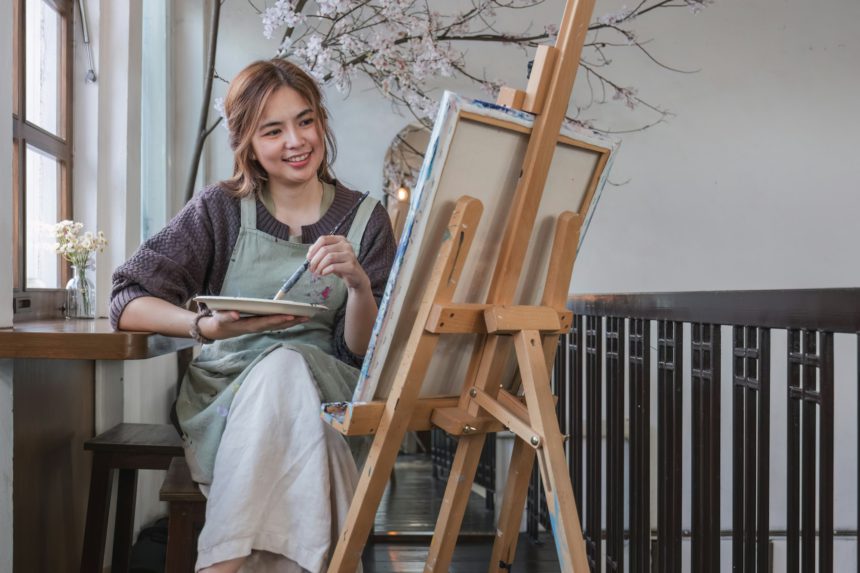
(83, 340)
(54, 372)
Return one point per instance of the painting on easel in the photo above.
(476, 149)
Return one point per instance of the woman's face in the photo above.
(287, 140)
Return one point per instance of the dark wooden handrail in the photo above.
(831, 310)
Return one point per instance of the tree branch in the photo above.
(202, 132)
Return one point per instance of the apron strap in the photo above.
(248, 209)
(362, 216)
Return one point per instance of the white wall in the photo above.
(754, 183)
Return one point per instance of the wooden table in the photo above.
(83, 340)
(54, 371)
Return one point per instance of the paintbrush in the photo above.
(294, 278)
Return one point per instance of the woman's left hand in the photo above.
(334, 255)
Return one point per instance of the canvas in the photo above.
(476, 149)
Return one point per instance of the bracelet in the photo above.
(195, 333)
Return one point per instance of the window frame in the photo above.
(26, 134)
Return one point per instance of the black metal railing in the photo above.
(605, 381)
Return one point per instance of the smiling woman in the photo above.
(258, 381)
(249, 121)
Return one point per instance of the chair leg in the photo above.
(98, 506)
(181, 539)
(124, 530)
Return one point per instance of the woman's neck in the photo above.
(297, 206)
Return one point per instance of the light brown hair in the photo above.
(246, 97)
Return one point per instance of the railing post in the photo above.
(594, 440)
(669, 437)
(615, 444)
(705, 376)
(639, 350)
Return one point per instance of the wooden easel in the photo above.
(483, 407)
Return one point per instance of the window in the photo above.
(41, 133)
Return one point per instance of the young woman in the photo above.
(278, 480)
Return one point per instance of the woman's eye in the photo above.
(306, 122)
(272, 132)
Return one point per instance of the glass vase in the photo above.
(80, 294)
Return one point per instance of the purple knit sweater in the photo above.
(190, 255)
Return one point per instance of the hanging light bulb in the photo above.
(403, 194)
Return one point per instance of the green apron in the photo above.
(259, 265)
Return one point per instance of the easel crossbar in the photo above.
(470, 318)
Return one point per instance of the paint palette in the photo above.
(260, 306)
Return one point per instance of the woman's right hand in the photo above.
(228, 324)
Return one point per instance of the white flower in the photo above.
(72, 246)
(614, 18)
(280, 14)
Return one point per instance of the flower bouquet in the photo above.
(77, 249)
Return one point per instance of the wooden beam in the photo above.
(509, 319)
(561, 261)
(541, 74)
(510, 419)
(457, 422)
(362, 418)
(468, 318)
(539, 153)
(561, 505)
(511, 97)
(457, 318)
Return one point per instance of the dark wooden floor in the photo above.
(407, 515)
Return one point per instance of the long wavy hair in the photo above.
(246, 97)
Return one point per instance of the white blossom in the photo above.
(74, 247)
(282, 13)
(403, 46)
(697, 6)
(614, 18)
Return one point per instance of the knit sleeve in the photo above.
(375, 256)
(188, 257)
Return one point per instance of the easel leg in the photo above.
(405, 389)
(457, 492)
(563, 513)
(519, 471)
(513, 503)
(377, 468)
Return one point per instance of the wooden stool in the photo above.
(127, 448)
(186, 516)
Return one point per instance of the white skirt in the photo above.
(283, 478)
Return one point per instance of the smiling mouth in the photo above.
(298, 158)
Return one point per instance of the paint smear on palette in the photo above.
(325, 293)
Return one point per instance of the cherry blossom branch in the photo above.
(403, 47)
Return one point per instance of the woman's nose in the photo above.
(292, 137)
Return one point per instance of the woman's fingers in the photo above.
(325, 246)
(228, 324)
(330, 260)
(269, 322)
